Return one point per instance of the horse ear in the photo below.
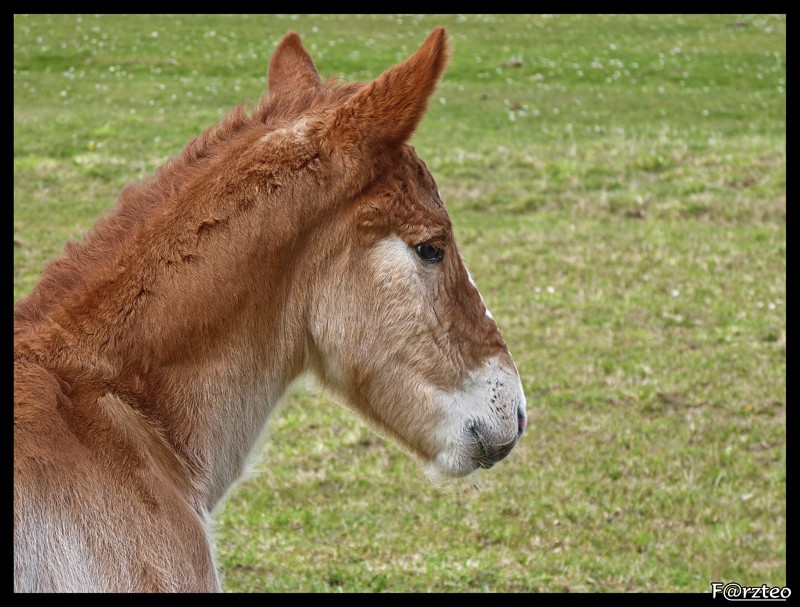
(291, 67)
(389, 108)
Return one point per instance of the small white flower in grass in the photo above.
(442, 100)
(154, 34)
(537, 289)
(551, 290)
(675, 292)
(771, 306)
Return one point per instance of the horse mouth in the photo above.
(487, 454)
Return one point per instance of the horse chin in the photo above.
(449, 465)
(461, 459)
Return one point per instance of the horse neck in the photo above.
(203, 347)
(231, 338)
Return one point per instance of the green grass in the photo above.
(618, 187)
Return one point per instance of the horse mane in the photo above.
(138, 202)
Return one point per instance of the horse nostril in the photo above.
(522, 420)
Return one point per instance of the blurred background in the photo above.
(617, 186)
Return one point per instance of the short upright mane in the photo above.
(138, 202)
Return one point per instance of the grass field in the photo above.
(618, 187)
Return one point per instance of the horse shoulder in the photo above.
(100, 501)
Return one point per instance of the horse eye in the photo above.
(430, 253)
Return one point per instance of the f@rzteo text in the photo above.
(736, 592)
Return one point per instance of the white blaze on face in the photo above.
(472, 282)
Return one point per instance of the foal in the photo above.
(308, 237)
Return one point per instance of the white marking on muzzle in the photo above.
(488, 402)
